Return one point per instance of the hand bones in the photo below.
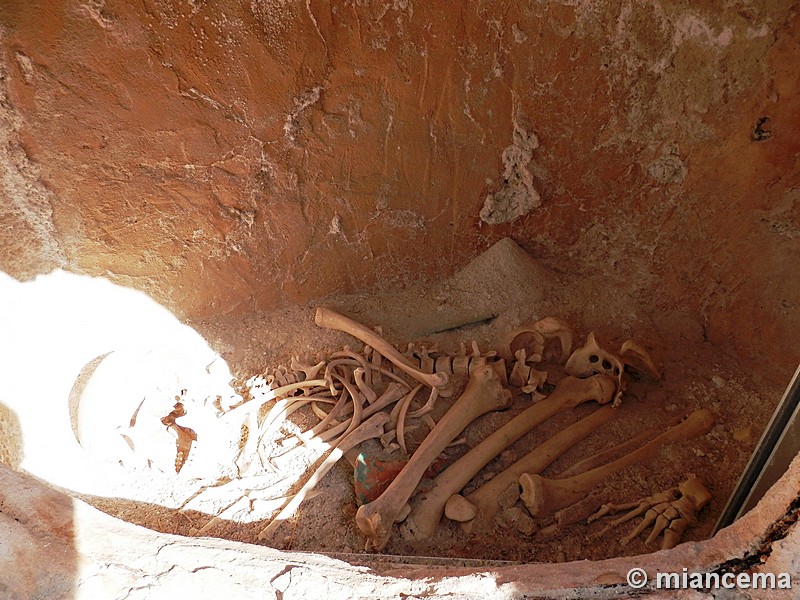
(670, 512)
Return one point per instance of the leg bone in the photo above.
(570, 392)
(483, 393)
(545, 496)
(485, 497)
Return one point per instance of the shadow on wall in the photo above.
(38, 554)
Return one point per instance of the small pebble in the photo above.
(718, 381)
(672, 407)
(509, 497)
(740, 435)
(699, 452)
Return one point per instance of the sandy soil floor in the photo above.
(696, 375)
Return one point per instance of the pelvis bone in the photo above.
(591, 359)
(483, 393)
(535, 338)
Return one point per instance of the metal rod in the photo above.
(778, 445)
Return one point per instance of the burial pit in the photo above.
(253, 255)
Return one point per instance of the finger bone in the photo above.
(544, 496)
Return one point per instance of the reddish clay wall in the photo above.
(231, 157)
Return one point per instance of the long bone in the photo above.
(483, 393)
(330, 319)
(543, 497)
(484, 499)
(569, 393)
(369, 429)
(609, 454)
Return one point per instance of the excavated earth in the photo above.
(239, 164)
(696, 374)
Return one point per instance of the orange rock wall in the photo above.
(228, 157)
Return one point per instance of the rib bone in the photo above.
(483, 393)
(543, 497)
(330, 319)
(569, 393)
(371, 428)
(485, 497)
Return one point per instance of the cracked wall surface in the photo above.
(233, 157)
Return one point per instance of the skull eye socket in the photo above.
(616, 370)
(606, 365)
(593, 358)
